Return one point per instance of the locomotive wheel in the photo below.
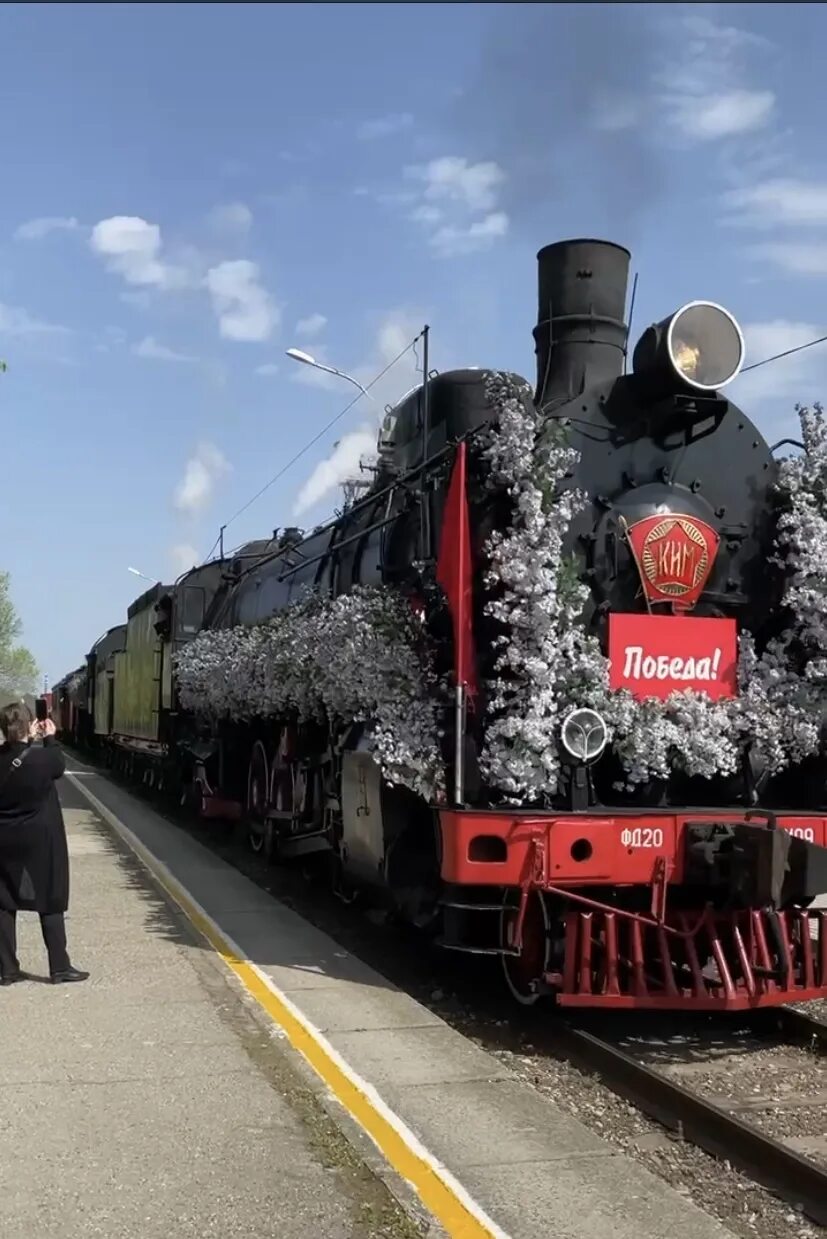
(524, 972)
(258, 785)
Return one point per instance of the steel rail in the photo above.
(801, 1182)
(795, 1026)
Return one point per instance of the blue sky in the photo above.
(189, 190)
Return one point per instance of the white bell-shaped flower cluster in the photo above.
(547, 663)
(785, 690)
(361, 657)
(364, 657)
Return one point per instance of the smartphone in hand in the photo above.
(41, 710)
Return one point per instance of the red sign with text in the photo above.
(655, 655)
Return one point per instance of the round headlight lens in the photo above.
(584, 734)
(705, 345)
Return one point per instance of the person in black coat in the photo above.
(34, 857)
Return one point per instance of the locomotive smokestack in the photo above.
(580, 335)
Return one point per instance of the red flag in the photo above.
(453, 572)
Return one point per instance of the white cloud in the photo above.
(19, 323)
(796, 258)
(455, 179)
(267, 370)
(341, 466)
(139, 298)
(311, 326)
(450, 239)
(114, 337)
(706, 93)
(426, 213)
(244, 309)
(778, 201)
(132, 248)
(458, 204)
(702, 91)
(183, 557)
(722, 116)
(150, 348)
(36, 229)
(201, 473)
(799, 378)
(394, 333)
(384, 126)
(231, 217)
(613, 114)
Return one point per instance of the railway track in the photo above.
(704, 1091)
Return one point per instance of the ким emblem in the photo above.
(674, 556)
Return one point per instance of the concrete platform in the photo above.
(498, 1158)
(148, 1102)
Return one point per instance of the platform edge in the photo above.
(433, 1183)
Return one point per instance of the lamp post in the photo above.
(135, 572)
(306, 359)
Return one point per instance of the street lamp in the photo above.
(298, 354)
(135, 572)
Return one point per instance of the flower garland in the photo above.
(788, 684)
(364, 657)
(547, 663)
(360, 657)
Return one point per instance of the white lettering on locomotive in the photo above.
(666, 667)
(653, 837)
(802, 832)
(642, 837)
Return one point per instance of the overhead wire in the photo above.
(315, 439)
(412, 346)
(787, 353)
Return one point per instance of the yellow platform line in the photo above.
(441, 1194)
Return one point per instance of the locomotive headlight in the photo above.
(584, 734)
(701, 344)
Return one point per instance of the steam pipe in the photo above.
(580, 337)
(424, 499)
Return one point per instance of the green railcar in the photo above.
(142, 672)
(101, 663)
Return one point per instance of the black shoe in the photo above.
(12, 978)
(69, 974)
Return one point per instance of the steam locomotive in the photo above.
(686, 893)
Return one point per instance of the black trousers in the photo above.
(53, 928)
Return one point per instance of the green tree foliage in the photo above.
(18, 669)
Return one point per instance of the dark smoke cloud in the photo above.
(545, 72)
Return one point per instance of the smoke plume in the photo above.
(557, 102)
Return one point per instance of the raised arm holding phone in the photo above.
(34, 857)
